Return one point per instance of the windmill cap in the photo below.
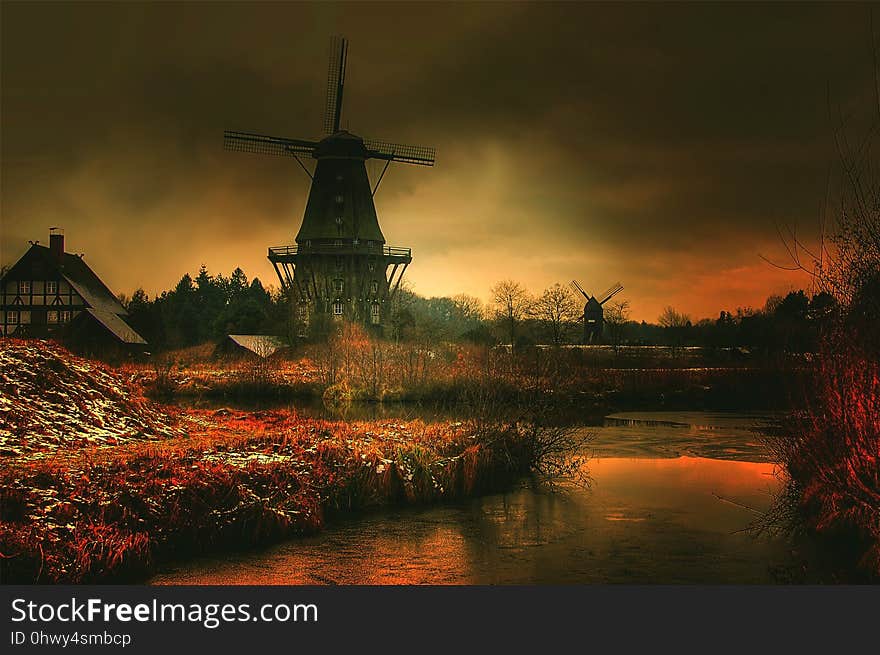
(341, 144)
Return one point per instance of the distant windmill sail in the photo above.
(578, 289)
(609, 293)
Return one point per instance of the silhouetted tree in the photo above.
(556, 310)
(675, 324)
(510, 304)
(616, 317)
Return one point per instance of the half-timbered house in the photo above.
(49, 293)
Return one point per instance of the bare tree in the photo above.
(676, 325)
(556, 309)
(510, 304)
(470, 308)
(616, 315)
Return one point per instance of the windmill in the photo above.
(594, 314)
(339, 266)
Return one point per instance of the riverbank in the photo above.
(136, 482)
(235, 480)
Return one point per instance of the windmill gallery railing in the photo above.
(279, 252)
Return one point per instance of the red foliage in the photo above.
(831, 452)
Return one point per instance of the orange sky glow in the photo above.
(654, 148)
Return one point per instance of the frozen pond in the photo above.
(670, 497)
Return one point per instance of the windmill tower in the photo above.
(340, 266)
(594, 314)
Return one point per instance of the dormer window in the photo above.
(24, 287)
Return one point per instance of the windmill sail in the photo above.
(335, 84)
(578, 289)
(267, 145)
(609, 293)
(421, 155)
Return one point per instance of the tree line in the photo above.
(208, 307)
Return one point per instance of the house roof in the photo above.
(39, 260)
(259, 344)
(120, 329)
(88, 285)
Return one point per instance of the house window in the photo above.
(337, 243)
(339, 220)
(371, 265)
(12, 317)
(24, 317)
(374, 314)
(51, 287)
(339, 200)
(65, 316)
(337, 285)
(24, 286)
(337, 308)
(374, 287)
(52, 317)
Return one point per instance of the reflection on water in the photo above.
(668, 504)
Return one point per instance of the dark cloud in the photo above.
(656, 144)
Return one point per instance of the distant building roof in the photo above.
(120, 329)
(260, 344)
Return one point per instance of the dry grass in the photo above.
(237, 480)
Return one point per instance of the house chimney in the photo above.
(56, 242)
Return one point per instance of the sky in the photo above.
(659, 145)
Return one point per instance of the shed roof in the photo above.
(262, 345)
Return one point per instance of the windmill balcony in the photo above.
(389, 253)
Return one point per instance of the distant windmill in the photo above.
(340, 265)
(594, 314)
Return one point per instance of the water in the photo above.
(671, 496)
